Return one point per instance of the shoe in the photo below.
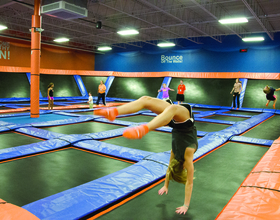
(136, 132)
(274, 106)
(237, 108)
(266, 104)
(109, 113)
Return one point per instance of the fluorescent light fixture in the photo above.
(233, 20)
(128, 32)
(2, 27)
(104, 48)
(61, 40)
(250, 39)
(167, 44)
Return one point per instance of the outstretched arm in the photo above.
(172, 90)
(188, 165)
(277, 89)
(164, 189)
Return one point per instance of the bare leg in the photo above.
(176, 112)
(274, 102)
(268, 101)
(51, 101)
(49, 105)
(155, 105)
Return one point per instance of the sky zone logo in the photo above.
(171, 59)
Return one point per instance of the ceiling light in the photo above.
(61, 40)
(233, 20)
(128, 32)
(167, 44)
(2, 27)
(104, 48)
(246, 39)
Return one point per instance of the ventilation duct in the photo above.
(67, 9)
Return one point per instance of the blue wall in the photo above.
(210, 56)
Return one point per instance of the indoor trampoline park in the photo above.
(61, 159)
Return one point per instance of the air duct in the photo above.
(66, 9)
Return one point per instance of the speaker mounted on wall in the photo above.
(98, 25)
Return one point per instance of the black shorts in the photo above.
(180, 97)
(271, 98)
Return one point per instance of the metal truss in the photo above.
(257, 11)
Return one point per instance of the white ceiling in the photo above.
(156, 20)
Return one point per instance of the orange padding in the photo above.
(229, 75)
(13, 212)
(14, 110)
(259, 195)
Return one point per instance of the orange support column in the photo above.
(35, 60)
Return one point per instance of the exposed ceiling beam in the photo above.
(208, 8)
(256, 11)
(144, 20)
(180, 20)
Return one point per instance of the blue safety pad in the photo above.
(60, 103)
(269, 110)
(14, 99)
(115, 122)
(3, 128)
(249, 140)
(13, 106)
(108, 83)
(277, 112)
(107, 134)
(74, 138)
(149, 113)
(209, 113)
(24, 150)
(84, 199)
(242, 126)
(234, 115)
(215, 121)
(207, 106)
(72, 120)
(81, 85)
(40, 133)
(12, 126)
(28, 75)
(251, 109)
(42, 118)
(67, 114)
(113, 150)
(121, 99)
(209, 142)
(14, 115)
(162, 158)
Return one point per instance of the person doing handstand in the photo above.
(184, 138)
(269, 91)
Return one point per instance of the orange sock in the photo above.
(109, 113)
(274, 106)
(136, 132)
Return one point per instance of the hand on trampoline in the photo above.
(182, 210)
(163, 190)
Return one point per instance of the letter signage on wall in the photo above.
(171, 59)
(4, 50)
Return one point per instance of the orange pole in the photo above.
(35, 60)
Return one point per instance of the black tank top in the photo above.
(51, 93)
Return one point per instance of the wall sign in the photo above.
(4, 50)
(171, 59)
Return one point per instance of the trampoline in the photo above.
(70, 164)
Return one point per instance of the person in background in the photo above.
(90, 100)
(164, 90)
(50, 95)
(101, 93)
(237, 88)
(180, 92)
(269, 91)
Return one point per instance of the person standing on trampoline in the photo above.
(50, 95)
(101, 93)
(90, 100)
(237, 88)
(180, 92)
(269, 91)
(164, 91)
(184, 138)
